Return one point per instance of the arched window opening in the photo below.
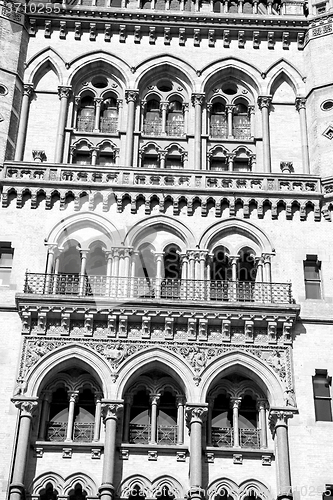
(150, 161)
(174, 159)
(145, 4)
(67, 271)
(58, 416)
(218, 120)
(78, 493)
(241, 122)
(145, 271)
(139, 428)
(84, 417)
(218, 6)
(221, 423)
(175, 119)
(96, 263)
(233, 7)
(81, 153)
(248, 8)
(109, 116)
(48, 493)
(171, 283)
(252, 496)
(218, 161)
(167, 418)
(246, 266)
(107, 155)
(220, 274)
(86, 114)
(223, 495)
(152, 123)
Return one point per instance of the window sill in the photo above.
(254, 453)
(67, 448)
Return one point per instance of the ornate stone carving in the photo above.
(67, 453)
(195, 414)
(123, 454)
(26, 406)
(279, 417)
(266, 460)
(131, 95)
(28, 89)
(95, 453)
(64, 92)
(111, 410)
(181, 456)
(152, 455)
(198, 99)
(237, 458)
(264, 102)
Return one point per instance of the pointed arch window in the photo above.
(175, 119)
(218, 120)
(86, 114)
(109, 116)
(241, 122)
(49, 493)
(77, 493)
(152, 123)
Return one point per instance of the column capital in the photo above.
(164, 105)
(98, 100)
(28, 89)
(64, 92)
(198, 99)
(262, 404)
(112, 409)
(300, 103)
(264, 101)
(73, 396)
(235, 402)
(180, 400)
(196, 493)
(230, 107)
(267, 257)
(154, 399)
(196, 413)
(77, 99)
(27, 406)
(131, 95)
(278, 417)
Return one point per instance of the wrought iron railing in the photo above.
(219, 131)
(85, 124)
(82, 432)
(56, 431)
(154, 288)
(175, 129)
(152, 127)
(241, 131)
(140, 434)
(249, 438)
(222, 436)
(109, 125)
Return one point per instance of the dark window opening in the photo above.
(312, 278)
(322, 396)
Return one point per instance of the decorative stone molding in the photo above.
(39, 155)
(209, 457)
(195, 414)
(264, 102)
(131, 95)
(111, 410)
(237, 458)
(64, 92)
(27, 406)
(67, 453)
(181, 456)
(279, 417)
(152, 455)
(123, 454)
(266, 460)
(95, 453)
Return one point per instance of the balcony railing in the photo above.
(241, 132)
(82, 432)
(224, 437)
(140, 434)
(152, 128)
(219, 131)
(175, 129)
(109, 125)
(170, 289)
(85, 124)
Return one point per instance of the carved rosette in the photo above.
(131, 95)
(264, 102)
(27, 406)
(196, 414)
(111, 410)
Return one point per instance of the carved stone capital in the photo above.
(196, 414)
(300, 103)
(64, 92)
(112, 409)
(235, 402)
(27, 406)
(131, 95)
(28, 89)
(198, 99)
(73, 396)
(279, 418)
(154, 399)
(264, 102)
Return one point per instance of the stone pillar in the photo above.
(159, 273)
(260, 270)
(197, 101)
(94, 153)
(64, 93)
(209, 420)
(164, 108)
(279, 425)
(131, 97)
(73, 397)
(98, 414)
(127, 417)
(230, 110)
(77, 100)
(261, 407)
(235, 404)
(111, 411)
(264, 103)
(98, 103)
(47, 396)
(162, 159)
(251, 116)
(195, 417)
(154, 400)
(180, 419)
(22, 130)
(27, 407)
(301, 108)
(267, 268)
(84, 255)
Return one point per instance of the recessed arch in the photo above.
(45, 57)
(231, 67)
(249, 366)
(85, 480)
(285, 70)
(41, 481)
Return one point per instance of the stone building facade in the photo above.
(165, 253)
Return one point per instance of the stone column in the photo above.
(264, 103)
(159, 272)
(251, 116)
(73, 397)
(162, 159)
(164, 108)
(260, 270)
(84, 255)
(261, 407)
(267, 268)
(209, 420)
(98, 103)
(301, 108)
(22, 130)
(180, 419)
(77, 100)
(27, 407)
(235, 404)
(230, 110)
(98, 414)
(127, 417)
(131, 97)
(111, 411)
(279, 425)
(197, 101)
(47, 396)
(94, 153)
(154, 400)
(195, 417)
(64, 93)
